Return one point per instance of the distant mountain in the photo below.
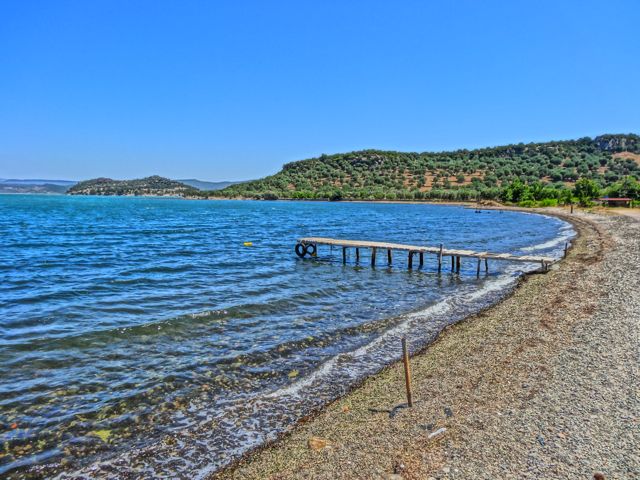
(207, 186)
(149, 186)
(13, 185)
(29, 181)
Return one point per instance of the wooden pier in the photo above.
(309, 246)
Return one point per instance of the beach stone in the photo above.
(316, 443)
(598, 476)
(437, 434)
(399, 467)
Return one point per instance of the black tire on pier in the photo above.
(301, 250)
(311, 249)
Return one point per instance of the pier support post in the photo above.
(457, 264)
(421, 258)
(478, 270)
(410, 260)
(566, 248)
(486, 265)
(357, 254)
(389, 256)
(373, 256)
(344, 254)
(440, 259)
(453, 259)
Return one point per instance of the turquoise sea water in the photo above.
(142, 334)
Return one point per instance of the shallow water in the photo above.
(124, 320)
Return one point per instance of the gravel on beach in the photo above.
(542, 385)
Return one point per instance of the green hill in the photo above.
(154, 185)
(457, 175)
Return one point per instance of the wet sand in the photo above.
(541, 385)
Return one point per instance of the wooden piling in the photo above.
(440, 259)
(407, 371)
(373, 256)
(486, 265)
(344, 254)
(566, 249)
(421, 258)
(357, 254)
(410, 259)
(478, 270)
(453, 259)
(458, 264)
(389, 256)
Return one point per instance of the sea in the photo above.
(165, 338)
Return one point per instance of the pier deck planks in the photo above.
(424, 249)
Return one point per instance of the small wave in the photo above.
(565, 231)
(437, 311)
(567, 234)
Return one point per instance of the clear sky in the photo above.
(230, 90)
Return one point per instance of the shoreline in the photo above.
(257, 452)
(483, 205)
(290, 456)
(352, 385)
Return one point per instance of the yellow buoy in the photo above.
(248, 244)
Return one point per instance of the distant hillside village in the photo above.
(534, 174)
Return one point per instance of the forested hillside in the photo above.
(543, 170)
(153, 185)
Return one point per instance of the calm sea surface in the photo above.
(142, 334)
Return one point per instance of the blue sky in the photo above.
(232, 90)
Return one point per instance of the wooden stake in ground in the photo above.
(407, 371)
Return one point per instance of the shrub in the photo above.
(586, 190)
